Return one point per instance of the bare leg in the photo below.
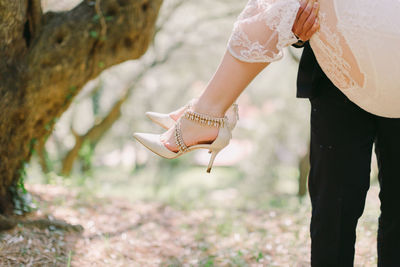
(229, 81)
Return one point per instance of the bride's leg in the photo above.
(306, 24)
(229, 81)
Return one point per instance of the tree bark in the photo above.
(46, 60)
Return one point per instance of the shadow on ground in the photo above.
(118, 232)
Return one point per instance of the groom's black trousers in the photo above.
(342, 137)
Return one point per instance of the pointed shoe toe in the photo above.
(154, 144)
(153, 141)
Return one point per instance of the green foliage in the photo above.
(69, 258)
(73, 89)
(172, 262)
(22, 176)
(68, 98)
(101, 64)
(260, 256)
(32, 145)
(94, 34)
(71, 92)
(208, 261)
(225, 228)
(47, 126)
(96, 99)
(238, 260)
(86, 154)
(96, 18)
(50, 124)
(22, 200)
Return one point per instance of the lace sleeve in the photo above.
(263, 29)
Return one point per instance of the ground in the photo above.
(121, 232)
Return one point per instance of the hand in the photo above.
(307, 22)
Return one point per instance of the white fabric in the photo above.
(357, 46)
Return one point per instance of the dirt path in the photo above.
(121, 233)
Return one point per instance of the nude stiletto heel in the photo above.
(212, 158)
(154, 144)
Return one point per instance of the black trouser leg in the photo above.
(341, 145)
(388, 155)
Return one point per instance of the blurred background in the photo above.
(248, 212)
(93, 141)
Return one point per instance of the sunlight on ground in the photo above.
(123, 232)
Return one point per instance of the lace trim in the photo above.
(331, 53)
(273, 17)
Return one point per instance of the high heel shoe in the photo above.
(165, 120)
(153, 141)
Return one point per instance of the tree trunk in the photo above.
(45, 61)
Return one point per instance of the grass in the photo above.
(188, 219)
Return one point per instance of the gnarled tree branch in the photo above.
(70, 51)
(40, 75)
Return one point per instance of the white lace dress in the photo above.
(357, 46)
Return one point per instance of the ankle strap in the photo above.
(205, 119)
(178, 138)
(235, 107)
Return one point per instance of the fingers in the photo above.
(303, 4)
(305, 14)
(313, 30)
(297, 27)
(312, 21)
(306, 23)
